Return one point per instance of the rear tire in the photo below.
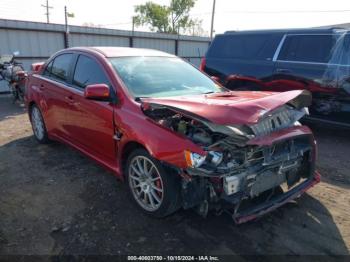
(154, 188)
(38, 125)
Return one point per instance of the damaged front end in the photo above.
(247, 169)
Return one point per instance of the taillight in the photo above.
(202, 65)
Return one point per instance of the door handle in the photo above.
(283, 70)
(41, 87)
(69, 99)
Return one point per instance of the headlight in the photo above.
(194, 159)
(215, 157)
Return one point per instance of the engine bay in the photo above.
(233, 170)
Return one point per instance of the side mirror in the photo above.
(36, 67)
(100, 92)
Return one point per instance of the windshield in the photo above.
(162, 77)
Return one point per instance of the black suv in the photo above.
(317, 60)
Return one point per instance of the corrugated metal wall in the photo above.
(160, 44)
(97, 40)
(38, 41)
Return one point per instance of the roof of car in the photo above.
(111, 51)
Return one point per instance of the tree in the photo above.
(166, 19)
(153, 14)
(195, 28)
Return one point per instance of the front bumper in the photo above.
(259, 210)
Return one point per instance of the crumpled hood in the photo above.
(232, 108)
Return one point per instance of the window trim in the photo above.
(278, 49)
(46, 67)
(343, 52)
(303, 62)
(78, 54)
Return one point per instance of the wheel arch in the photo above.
(30, 107)
(127, 149)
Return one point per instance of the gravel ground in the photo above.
(54, 200)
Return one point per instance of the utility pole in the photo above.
(131, 39)
(47, 7)
(66, 38)
(65, 18)
(133, 24)
(212, 20)
(66, 33)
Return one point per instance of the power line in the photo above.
(47, 11)
(124, 23)
(288, 11)
(272, 12)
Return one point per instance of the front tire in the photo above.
(154, 188)
(38, 125)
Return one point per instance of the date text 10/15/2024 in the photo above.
(173, 258)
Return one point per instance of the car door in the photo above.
(53, 87)
(90, 122)
(307, 61)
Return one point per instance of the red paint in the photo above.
(36, 67)
(283, 85)
(243, 78)
(90, 125)
(202, 64)
(236, 107)
(97, 91)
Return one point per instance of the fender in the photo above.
(162, 143)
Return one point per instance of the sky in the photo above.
(229, 14)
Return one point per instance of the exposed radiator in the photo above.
(281, 118)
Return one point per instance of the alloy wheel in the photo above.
(145, 183)
(37, 123)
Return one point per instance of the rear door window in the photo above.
(88, 72)
(48, 68)
(308, 48)
(249, 47)
(60, 67)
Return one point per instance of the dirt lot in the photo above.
(53, 200)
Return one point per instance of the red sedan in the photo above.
(177, 137)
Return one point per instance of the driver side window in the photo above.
(87, 72)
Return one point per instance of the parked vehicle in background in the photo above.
(317, 60)
(176, 137)
(13, 72)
